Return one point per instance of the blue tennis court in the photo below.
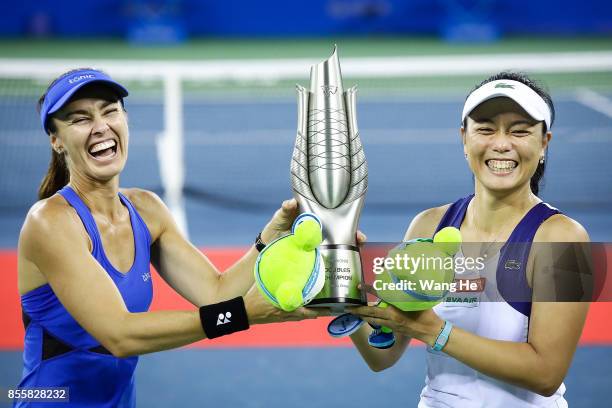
(237, 160)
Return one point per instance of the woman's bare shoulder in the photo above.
(151, 208)
(561, 228)
(52, 212)
(142, 199)
(48, 219)
(424, 223)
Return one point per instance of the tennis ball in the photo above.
(384, 329)
(419, 278)
(289, 296)
(289, 271)
(448, 240)
(308, 235)
(284, 266)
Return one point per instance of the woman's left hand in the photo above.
(423, 325)
(281, 221)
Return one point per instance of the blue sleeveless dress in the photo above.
(58, 352)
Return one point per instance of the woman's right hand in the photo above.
(260, 311)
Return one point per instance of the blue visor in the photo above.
(63, 88)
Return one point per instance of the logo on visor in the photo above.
(502, 85)
(80, 77)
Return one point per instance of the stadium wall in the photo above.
(238, 18)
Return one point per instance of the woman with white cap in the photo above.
(510, 352)
(84, 257)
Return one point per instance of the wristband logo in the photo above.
(224, 319)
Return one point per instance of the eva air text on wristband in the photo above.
(224, 318)
(442, 338)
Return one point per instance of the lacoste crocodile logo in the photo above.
(502, 85)
(512, 264)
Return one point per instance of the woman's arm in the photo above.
(378, 359)
(187, 270)
(422, 226)
(52, 241)
(538, 365)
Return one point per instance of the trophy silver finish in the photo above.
(329, 177)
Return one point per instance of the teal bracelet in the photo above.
(442, 338)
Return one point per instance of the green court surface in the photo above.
(218, 49)
(199, 49)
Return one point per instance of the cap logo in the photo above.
(80, 77)
(533, 103)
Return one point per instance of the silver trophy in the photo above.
(329, 177)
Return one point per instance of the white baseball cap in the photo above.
(520, 93)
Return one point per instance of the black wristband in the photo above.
(224, 318)
(259, 244)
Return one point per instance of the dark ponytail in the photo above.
(57, 176)
(540, 90)
(537, 176)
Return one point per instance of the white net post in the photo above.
(170, 150)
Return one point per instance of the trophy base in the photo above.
(342, 277)
(336, 305)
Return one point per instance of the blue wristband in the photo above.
(442, 338)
